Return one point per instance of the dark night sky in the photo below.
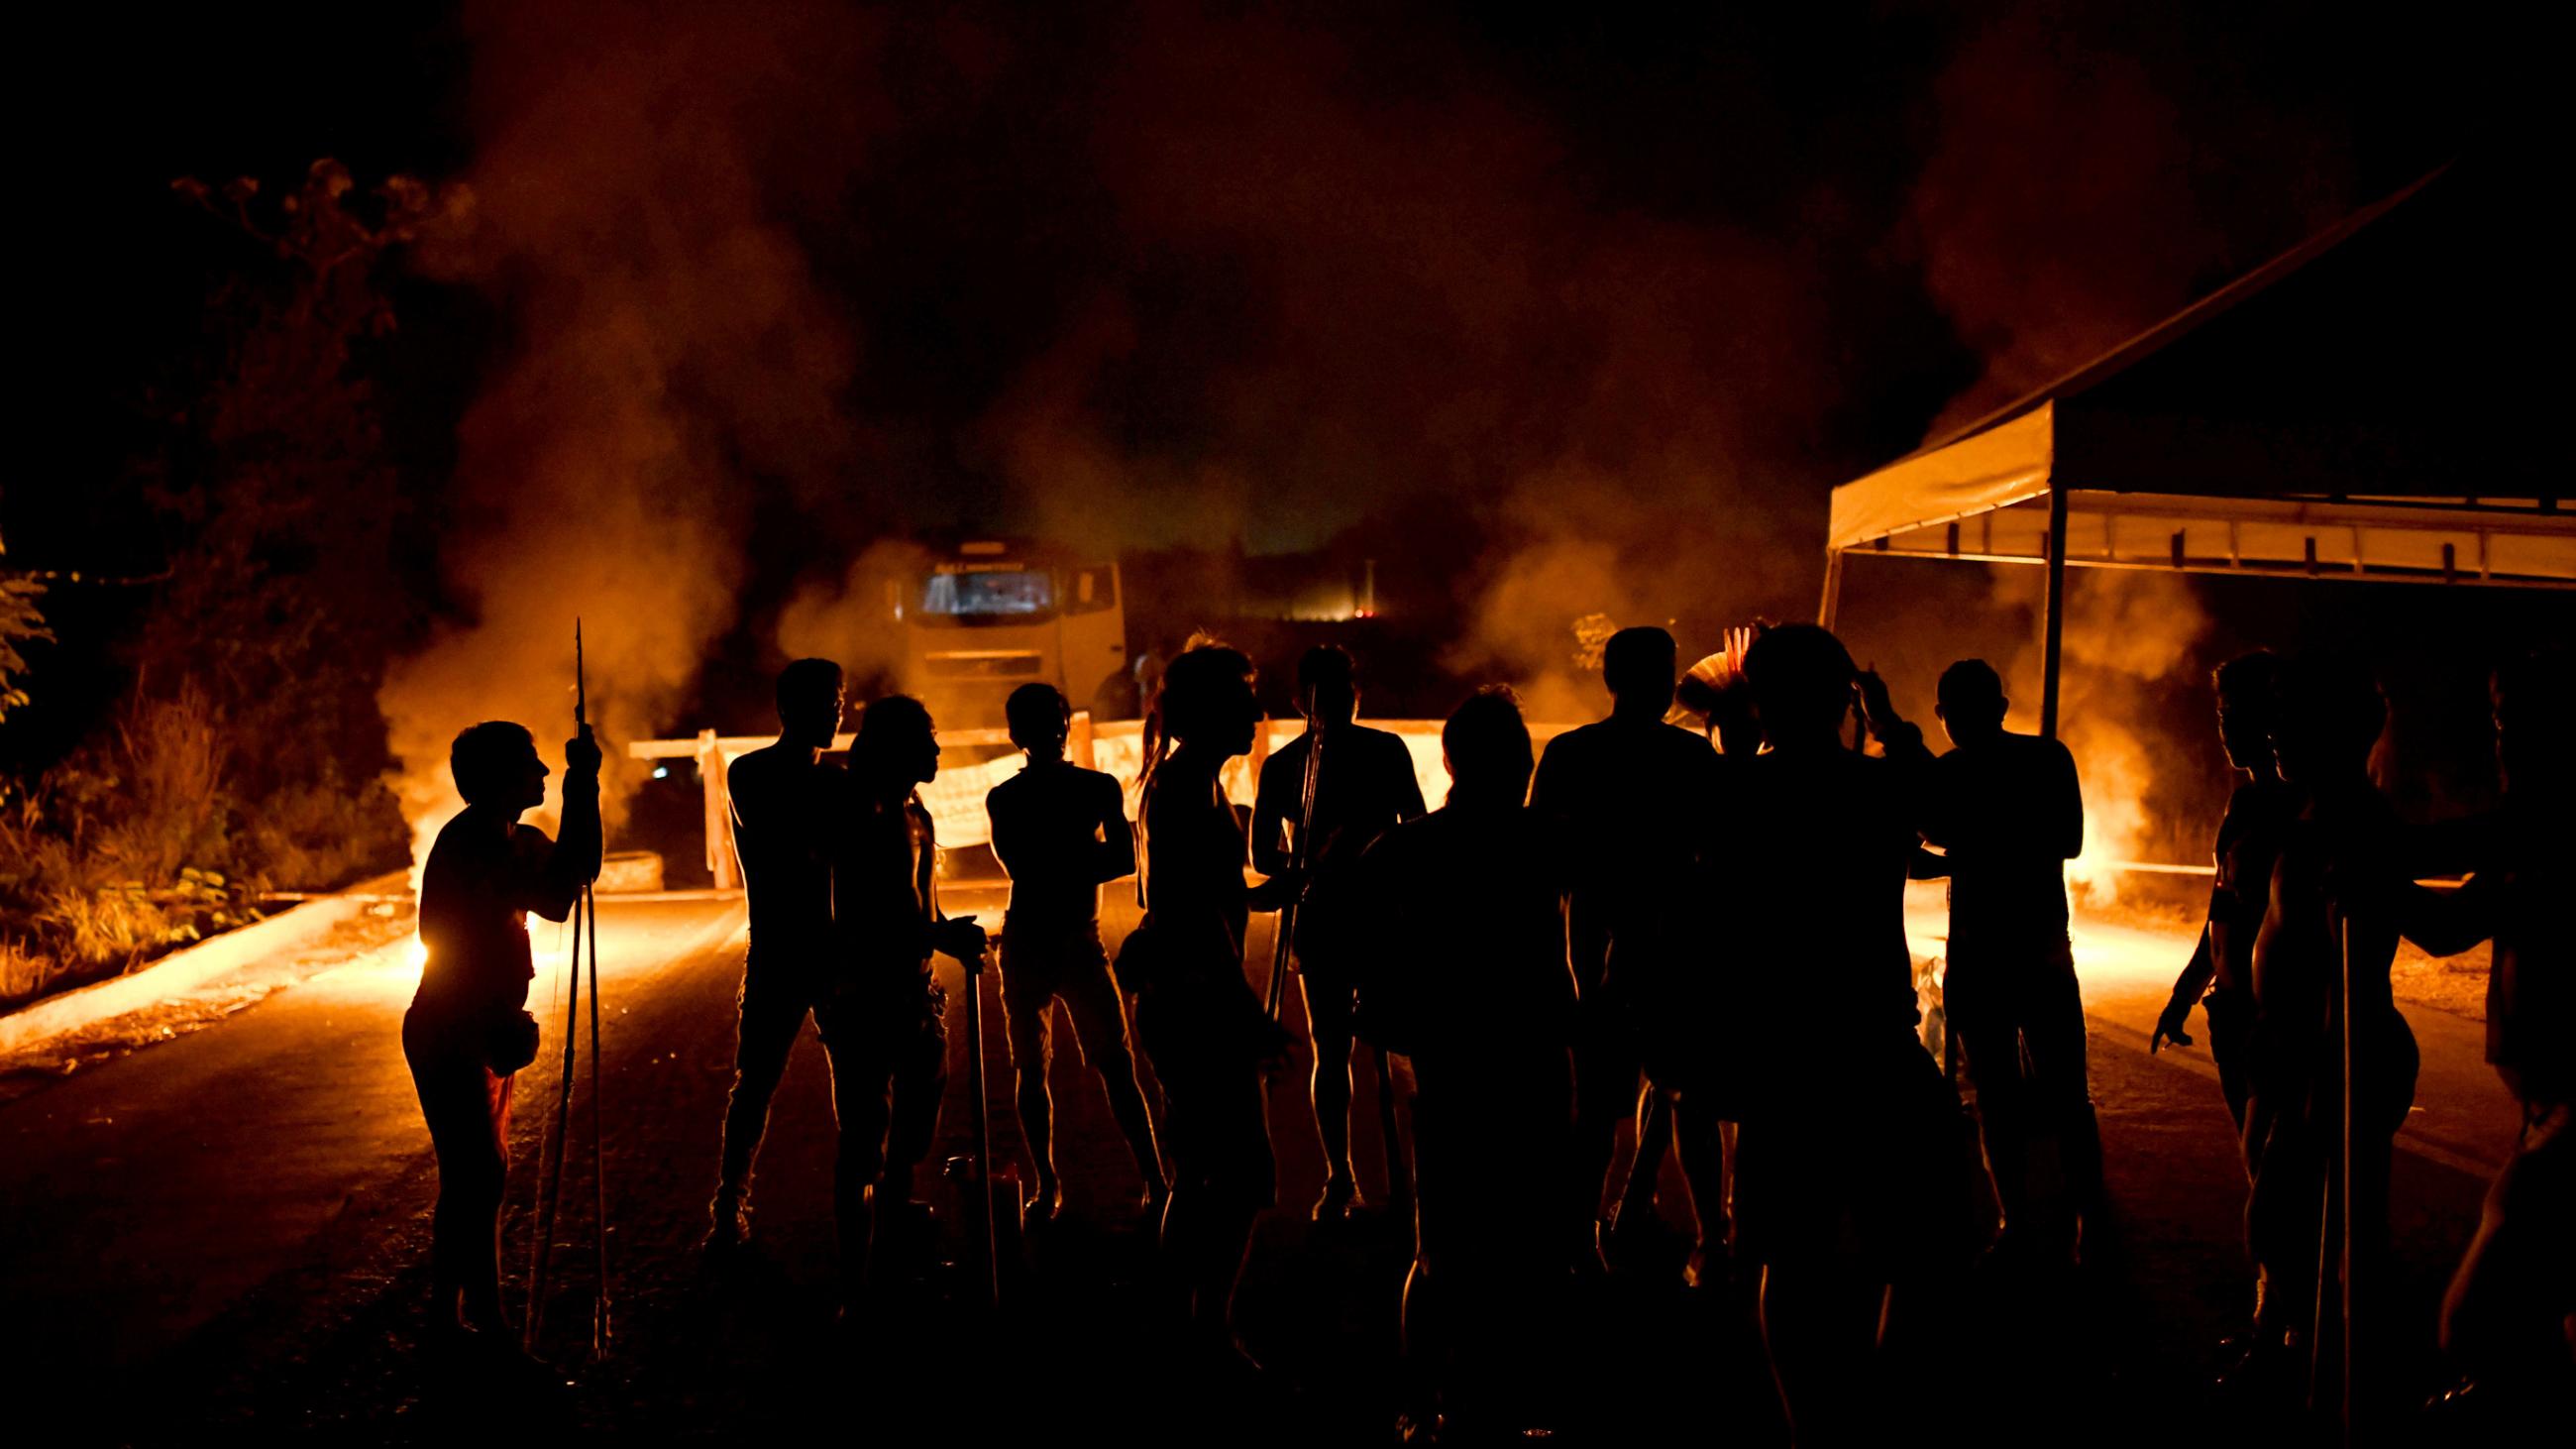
(976, 184)
(1568, 304)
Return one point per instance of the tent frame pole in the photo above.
(1833, 588)
(2053, 626)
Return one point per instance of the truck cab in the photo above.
(986, 616)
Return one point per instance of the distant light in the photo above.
(661, 772)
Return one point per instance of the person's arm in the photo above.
(2066, 804)
(1274, 805)
(2173, 1023)
(1114, 853)
(574, 860)
(1901, 740)
(1917, 782)
(1006, 833)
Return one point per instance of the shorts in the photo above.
(1071, 966)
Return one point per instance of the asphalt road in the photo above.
(230, 1229)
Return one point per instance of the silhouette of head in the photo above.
(1328, 684)
(1638, 665)
(1972, 701)
(1486, 746)
(2249, 687)
(810, 702)
(2331, 713)
(1802, 683)
(896, 743)
(1207, 700)
(1039, 717)
(2534, 696)
(496, 767)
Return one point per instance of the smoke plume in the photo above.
(671, 350)
(784, 280)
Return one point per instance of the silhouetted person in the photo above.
(1199, 1021)
(468, 1030)
(2220, 975)
(1630, 799)
(1060, 832)
(2007, 811)
(883, 1018)
(1453, 926)
(2345, 834)
(2509, 1319)
(787, 807)
(1849, 1188)
(1363, 787)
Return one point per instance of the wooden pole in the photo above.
(2053, 625)
(711, 780)
(983, 1124)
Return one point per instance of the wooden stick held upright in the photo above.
(975, 973)
(1285, 934)
(589, 907)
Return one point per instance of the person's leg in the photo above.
(2060, 1095)
(862, 1107)
(1820, 1323)
(1100, 1029)
(764, 1038)
(920, 1083)
(2504, 1315)
(1698, 1143)
(1328, 1028)
(1029, 1027)
(1987, 1035)
(1390, 1131)
(2283, 1212)
(1605, 1094)
(1427, 1327)
(1654, 1137)
(1241, 1181)
(465, 1108)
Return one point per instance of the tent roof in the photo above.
(2360, 407)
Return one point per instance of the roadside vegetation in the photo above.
(189, 659)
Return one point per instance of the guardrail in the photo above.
(956, 798)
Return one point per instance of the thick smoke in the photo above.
(2128, 635)
(671, 352)
(2094, 174)
(1428, 304)
(1166, 273)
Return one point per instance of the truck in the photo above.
(984, 616)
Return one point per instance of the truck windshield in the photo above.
(967, 597)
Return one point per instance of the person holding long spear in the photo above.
(2334, 1061)
(468, 1031)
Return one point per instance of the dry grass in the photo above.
(97, 868)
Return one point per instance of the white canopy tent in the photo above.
(2341, 413)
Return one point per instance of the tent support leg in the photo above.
(2054, 622)
(1833, 588)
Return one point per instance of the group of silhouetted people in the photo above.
(1700, 931)
(2316, 883)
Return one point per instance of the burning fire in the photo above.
(2111, 767)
